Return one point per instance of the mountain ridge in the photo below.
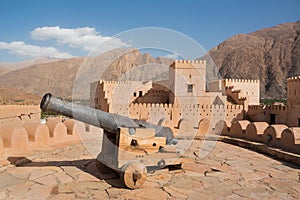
(270, 55)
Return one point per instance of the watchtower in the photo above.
(187, 79)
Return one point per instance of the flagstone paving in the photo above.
(227, 172)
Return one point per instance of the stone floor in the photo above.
(227, 172)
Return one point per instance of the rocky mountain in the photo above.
(64, 77)
(270, 55)
(8, 67)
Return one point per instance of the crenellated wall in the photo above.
(278, 135)
(105, 95)
(176, 114)
(243, 90)
(28, 137)
(280, 114)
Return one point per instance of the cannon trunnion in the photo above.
(129, 146)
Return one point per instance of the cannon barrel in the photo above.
(107, 121)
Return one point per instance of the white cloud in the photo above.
(20, 48)
(85, 38)
(173, 56)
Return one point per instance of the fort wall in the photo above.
(250, 89)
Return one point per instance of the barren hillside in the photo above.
(270, 54)
(58, 77)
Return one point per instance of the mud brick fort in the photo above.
(185, 102)
(191, 107)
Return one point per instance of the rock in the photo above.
(251, 192)
(37, 192)
(83, 177)
(195, 167)
(270, 54)
(17, 191)
(40, 173)
(6, 180)
(63, 196)
(21, 172)
(174, 192)
(46, 180)
(186, 182)
(2, 195)
(146, 194)
(82, 187)
(63, 178)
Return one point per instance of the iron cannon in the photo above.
(129, 146)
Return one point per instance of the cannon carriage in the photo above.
(129, 146)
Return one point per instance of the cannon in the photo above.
(129, 146)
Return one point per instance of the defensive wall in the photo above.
(280, 114)
(21, 130)
(276, 136)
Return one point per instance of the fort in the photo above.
(191, 107)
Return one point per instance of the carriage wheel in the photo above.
(133, 174)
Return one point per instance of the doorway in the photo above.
(272, 119)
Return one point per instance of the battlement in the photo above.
(276, 107)
(269, 107)
(150, 105)
(241, 81)
(293, 79)
(191, 61)
(118, 82)
(186, 106)
(255, 107)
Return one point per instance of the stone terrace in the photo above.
(228, 172)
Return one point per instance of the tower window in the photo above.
(140, 93)
(134, 94)
(190, 88)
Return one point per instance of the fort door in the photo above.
(272, 118)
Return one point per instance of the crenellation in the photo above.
(202, 62)
(233, 80)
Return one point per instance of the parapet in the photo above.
(192, 107)
(118, 82)
(150, 105)
(256, 107)
(293, 79)
(191, 61)
(241, 81)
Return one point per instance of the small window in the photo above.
(190, 76)
(190, 88)
(140, 93)
(134, 94)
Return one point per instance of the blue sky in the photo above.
(60, 28)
